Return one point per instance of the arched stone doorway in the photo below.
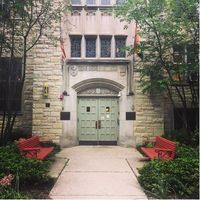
(98, 111)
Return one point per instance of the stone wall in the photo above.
(149, 114)
(46, 110)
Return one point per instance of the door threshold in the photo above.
(98, 143)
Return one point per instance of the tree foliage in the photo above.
(170, 40)
(22, 25)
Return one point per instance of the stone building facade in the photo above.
(93, 95)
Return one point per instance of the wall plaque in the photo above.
(65, 116)
(130, 116)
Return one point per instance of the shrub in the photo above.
(7, 192)
(185, 151)
(57, 147)
(178, 178)
(20, 133)
(182, 137)
(29, 170)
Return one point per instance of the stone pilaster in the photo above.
(149, 114)
(46, 110)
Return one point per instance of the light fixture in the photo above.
(46, 90)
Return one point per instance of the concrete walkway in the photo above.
(98, 172)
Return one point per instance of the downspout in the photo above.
(129, 77)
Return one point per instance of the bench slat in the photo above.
(31, 148)
(158, 151)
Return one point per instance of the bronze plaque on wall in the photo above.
(130, 115)
(65, 116)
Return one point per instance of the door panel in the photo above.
(87, 118)
(108, 116)
(98, 119)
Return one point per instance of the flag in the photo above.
(62, 49)
(137, 42)
(137, 36)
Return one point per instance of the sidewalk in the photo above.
(97, 173)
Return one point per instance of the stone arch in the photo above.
(98, 83)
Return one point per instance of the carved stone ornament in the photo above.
(74, 70)
(98, 91)
(76, 13)
(90, 13)
(122, 71)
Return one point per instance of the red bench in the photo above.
(31, 148)
(163, 149)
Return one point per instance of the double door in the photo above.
(98, 119)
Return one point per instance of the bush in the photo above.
(178, 178)
(57, 147)
(182, 137)
(20, 133)
(29, 170)
(7, 192)
(184, 151)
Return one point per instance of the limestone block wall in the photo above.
(46, 110)
(24, 120)
(149, 114)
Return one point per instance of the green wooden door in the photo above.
(98, 119)
(87, 118)
(108, 119)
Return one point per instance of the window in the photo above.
(192, 54)
(119, 2)
(105, 2)
(193, 118)
(178, 53)
(120, 43)
(10, 84)
(105, 46)
(107, 109)
(88, 109)
(4, 10)
(90, 46)
(91, 2)
(76, 2)
(75, 46)
(186, 54)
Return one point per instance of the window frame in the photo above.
(91, 2)
(178, 123)
(120, 51)
(105, 2)
(80, 49)
(14, 82)
(76, 3)
(120, 2)
(185, 53)
(90, 37)
(108, 37)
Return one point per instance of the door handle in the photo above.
(96, 124)
(99, 123)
